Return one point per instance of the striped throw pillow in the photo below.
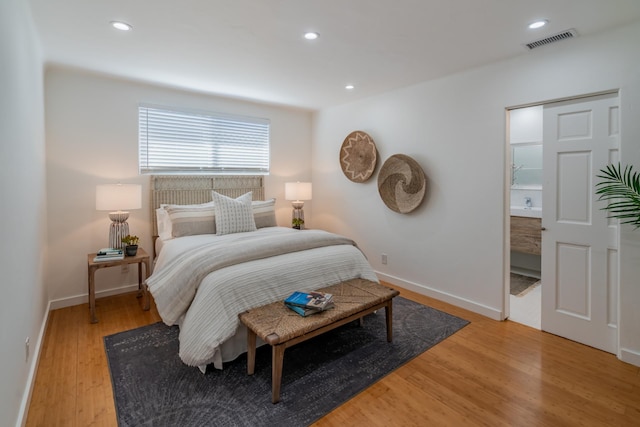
(264, 213)
(189, 220)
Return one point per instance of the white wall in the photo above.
(452, 246)
(92, 138)
(629, 324)
(22, 219)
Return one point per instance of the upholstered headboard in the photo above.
(195, 189)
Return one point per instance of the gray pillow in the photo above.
(264, 213)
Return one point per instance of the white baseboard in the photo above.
(630, 356)
(484, 310)
(33, 369)
(84, 298)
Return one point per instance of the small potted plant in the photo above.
(131, 244)
(297, 223)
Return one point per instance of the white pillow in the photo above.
(164, 223)
(233, 215)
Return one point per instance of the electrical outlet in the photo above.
(26, 349)
(384, 258)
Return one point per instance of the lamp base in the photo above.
(119, 228)
(117, 231)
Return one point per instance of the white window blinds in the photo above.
(183, 142)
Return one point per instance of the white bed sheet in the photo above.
(210, 332)
(159, 244)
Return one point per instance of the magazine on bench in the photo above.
(304, 312)
(315, 300)
(309, 302)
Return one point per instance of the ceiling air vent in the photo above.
(552, 39)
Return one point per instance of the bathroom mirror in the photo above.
(526, 166)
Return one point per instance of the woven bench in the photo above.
(282, 328)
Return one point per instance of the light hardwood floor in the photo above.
(489, 373)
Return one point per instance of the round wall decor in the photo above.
(401, 183)
(358, 156)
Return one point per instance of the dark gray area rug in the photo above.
(152, 387)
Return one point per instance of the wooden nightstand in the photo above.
(140, 258)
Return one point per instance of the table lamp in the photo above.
(297, 192)
(117, 198)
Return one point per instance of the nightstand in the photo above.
(142, 257)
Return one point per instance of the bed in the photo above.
(219, 252)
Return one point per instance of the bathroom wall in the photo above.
(525, 133)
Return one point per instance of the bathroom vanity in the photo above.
(526, 234)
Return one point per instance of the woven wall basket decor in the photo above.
(358, 156)
(401, 183)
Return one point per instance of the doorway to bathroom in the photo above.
(570, 244)
(525, 141)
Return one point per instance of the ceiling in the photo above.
(254, 49)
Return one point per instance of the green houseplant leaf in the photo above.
(622, 190)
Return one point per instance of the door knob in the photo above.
(543, 228)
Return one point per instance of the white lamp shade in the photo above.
(297, 191)
(118, 197)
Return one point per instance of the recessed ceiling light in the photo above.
(349, 87)
(311, 35)
(122, 26)
(538, 24)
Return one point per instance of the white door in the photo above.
(579, 243)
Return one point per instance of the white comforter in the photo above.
(207, 307)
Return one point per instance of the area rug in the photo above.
(520, 285)
(152, 387)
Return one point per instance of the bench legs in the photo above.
(277, 350)
(388, 312)
(277, 360)
(251, 351)
(276, 371)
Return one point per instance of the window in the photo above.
(183, 142)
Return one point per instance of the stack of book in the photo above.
(307, 303)
(109, 254)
